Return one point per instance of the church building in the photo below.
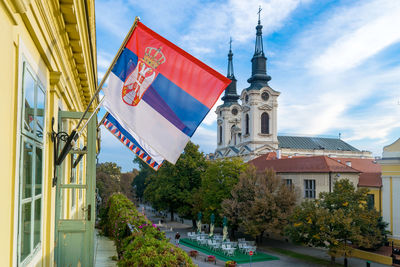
(249, 129)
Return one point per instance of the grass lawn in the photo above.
(239, 257)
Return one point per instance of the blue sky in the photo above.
(336, 63)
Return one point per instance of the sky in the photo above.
(336, 63)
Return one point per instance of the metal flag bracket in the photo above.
(56, 137)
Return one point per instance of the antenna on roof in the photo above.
(340, 135)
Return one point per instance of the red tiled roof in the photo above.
(301, 164)
(370, 179)
(362, 165)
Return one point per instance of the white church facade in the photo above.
(249, 129)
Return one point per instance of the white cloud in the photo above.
(357, 45)
(214, 22)
(206, 138)
(114, 17)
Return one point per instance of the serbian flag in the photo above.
(134, 144)
(161, 93)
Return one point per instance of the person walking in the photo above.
(177, 236)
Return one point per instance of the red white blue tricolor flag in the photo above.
(160, 94)
(135, 144)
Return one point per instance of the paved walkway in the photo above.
(104, 251)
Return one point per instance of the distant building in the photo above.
(391, 187)
(250, 129)
(316, 174)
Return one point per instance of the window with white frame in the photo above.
(309, 188)
(31, 165)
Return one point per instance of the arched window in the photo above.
(265, 123)
(247, 123)
(233, 135)
(220, 134)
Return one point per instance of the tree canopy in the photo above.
(260, 202)
(336, 220)
(172, 187)
(216, 185)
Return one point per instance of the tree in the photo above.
(216, 185)
(173, 186)
(108, 179)
(126, 184)
(139, 183)
(336, 220)
(110, 168)
(260, 202)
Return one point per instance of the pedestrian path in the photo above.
(104, 251)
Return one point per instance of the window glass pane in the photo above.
(40, 112)
(38, 211)
(25, 230)
(27, 171)
(29, 102)
(73, 198)
(39, 171)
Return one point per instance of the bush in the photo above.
(147, 245)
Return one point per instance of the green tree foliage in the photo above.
(260, 202)
(107, 179)
(336, 220)
(139, 183)
(145, 244)
(110, 168)
(126, 187)
(216, 185)
(173, 186)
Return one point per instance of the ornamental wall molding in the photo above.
(265, 107)
(246, 108)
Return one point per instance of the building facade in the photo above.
(48, 74)
(315, 174)
(311, 175)
(390, 163)
(249, 129)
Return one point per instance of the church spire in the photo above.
(259, 77)
(230, 63)
(230, 96)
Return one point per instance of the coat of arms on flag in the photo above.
(159, 94)
(142, 76)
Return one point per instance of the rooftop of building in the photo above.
(316, 164)
(311, 143)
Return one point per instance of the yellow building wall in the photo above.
(37, 30)
(391, 188)
(377, 197)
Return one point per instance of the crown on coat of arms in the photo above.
(153, 57)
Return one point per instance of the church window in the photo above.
(265, 96)
(233, 135)
(247, 123)
(234, 111)
(220, 134)
(265, 123)
(246, 98)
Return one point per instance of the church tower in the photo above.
(259, 104)
(228, 114)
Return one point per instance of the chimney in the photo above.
(278, 154)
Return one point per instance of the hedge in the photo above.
(147, 245)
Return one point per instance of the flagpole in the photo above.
(102, 120)
(88, 120)
(74, 135)
(103, 80)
